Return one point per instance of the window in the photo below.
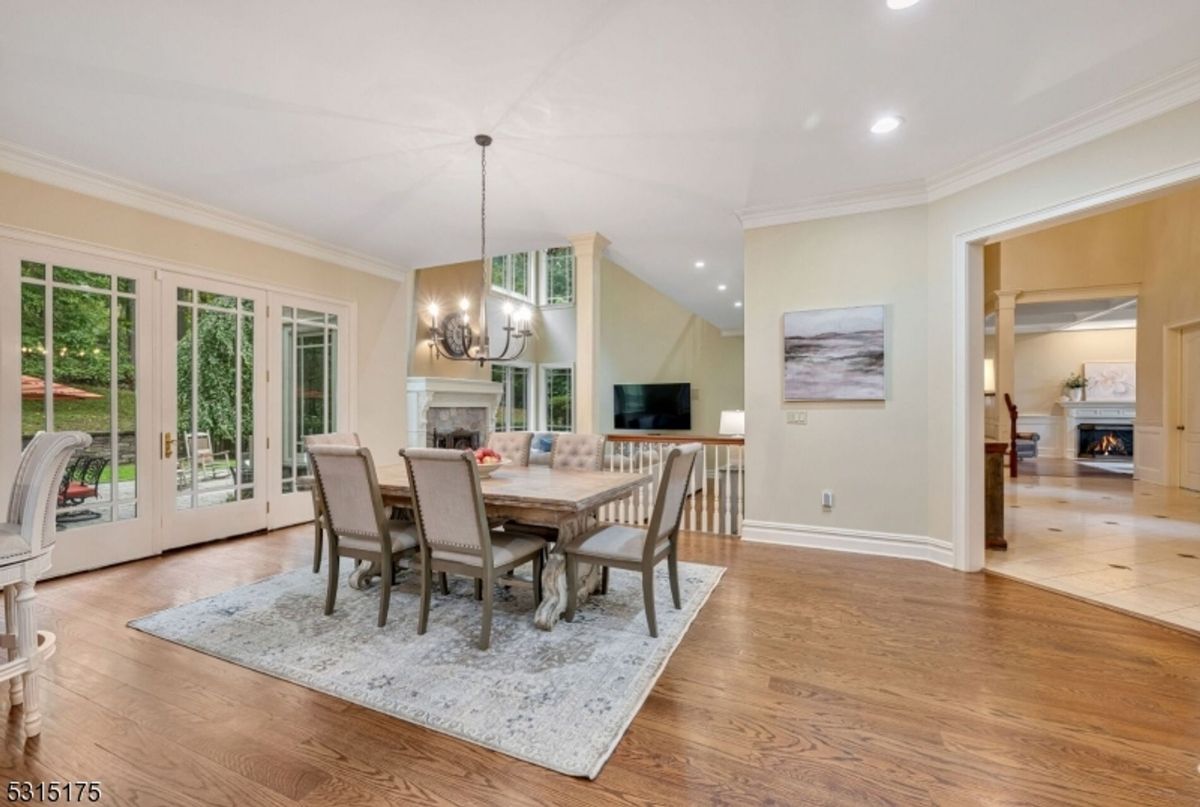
(309, 353)
(512, 273)
(512, 415)
(558, 397)
(558, 276)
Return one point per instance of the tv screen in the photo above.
(652, 406)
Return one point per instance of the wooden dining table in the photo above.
(565, 500)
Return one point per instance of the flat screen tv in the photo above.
(652, 406)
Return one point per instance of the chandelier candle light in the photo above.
(452, 337)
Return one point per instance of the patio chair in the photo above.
(208, 461)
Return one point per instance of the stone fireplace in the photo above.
(451, 412)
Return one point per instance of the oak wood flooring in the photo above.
(809, 678)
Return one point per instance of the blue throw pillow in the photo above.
(543, 442)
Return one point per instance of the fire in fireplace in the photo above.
(1105, 441)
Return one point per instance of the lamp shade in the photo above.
(989, 376)
(733, 422)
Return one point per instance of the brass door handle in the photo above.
(168, 445)
(1180, 428)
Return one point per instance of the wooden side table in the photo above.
(993, 494)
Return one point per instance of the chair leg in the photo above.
(478, 588)
(572, 586)
(332, 585)
(673, 573)
(445, 584)
(485, 632)
(317, 545)
(648, 596)
(426, 592)
(16, 692)
(385, 593)
(25, 627)
(539, 562)
(604, 580)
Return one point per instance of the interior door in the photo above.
(213, 442)
(308, 394)
(1189, 444)
(76, 336)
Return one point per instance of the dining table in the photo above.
(566, 500)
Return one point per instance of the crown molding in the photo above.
(35, 165)
(867, 200)
(1144, 102)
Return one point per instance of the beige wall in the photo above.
(873, 456)
(1044, 360)
(906, 485)
(382, 304)
(647, 337)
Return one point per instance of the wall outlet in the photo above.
(797, 417)
(827, 499)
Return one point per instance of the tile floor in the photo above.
(1126, 544)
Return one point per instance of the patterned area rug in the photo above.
(561, 699)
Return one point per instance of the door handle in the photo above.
(168, 445)
(1180, 428)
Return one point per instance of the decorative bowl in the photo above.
(487, 469)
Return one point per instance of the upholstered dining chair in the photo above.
(454, 533)
(319, 527)
(577, 452)
(512, 446)
(26, 541)
(357, 526)
(640, 550)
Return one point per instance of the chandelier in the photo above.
(452, 336)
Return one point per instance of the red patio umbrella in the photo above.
(34, 388)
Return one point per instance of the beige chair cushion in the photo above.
(616, 541)
(578, 452)
(512, 446)
(12, 545)
(404, 537)
(505, 550)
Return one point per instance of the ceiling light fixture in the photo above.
(886, 124)
(738, 304)
(453, 337)
(899, 5)
(721, 287)
(699, 264)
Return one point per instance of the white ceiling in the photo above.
(651, 122)
(1095, 314)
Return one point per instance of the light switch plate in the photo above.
(797, 417)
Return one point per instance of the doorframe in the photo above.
(967, 468)
(1173, 398)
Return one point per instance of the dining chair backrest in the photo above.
(672, 492)
(332, 439)
(30, 457)
(448, 500)
(577, 452)
(37, 519)
(513, 446)
(349, 490)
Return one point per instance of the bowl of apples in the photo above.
(488, 462)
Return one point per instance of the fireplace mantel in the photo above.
(1106, 412)
(428, 392)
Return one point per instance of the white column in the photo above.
(589, 250)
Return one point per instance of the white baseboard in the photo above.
(863, 542)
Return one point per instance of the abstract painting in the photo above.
(834, 354)
(1110, 380)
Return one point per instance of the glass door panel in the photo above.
(214, 406)
(311, 393)
(84, 349)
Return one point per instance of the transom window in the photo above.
(558, 276)
(512, 274)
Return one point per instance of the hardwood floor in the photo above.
(809, 678)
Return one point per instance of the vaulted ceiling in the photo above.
(655, 123)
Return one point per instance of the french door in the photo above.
(1189, 427)
(77, 329)
(310, 353)
(213, 441)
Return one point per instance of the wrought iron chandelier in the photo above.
(452, 336)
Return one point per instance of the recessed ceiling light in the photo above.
(699, 264)
(738, 304)
(897, 5)
(886, 124)
(722, 287)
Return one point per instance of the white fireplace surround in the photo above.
(425, 393)
(1112, 413)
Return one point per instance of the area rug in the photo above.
(561, 699)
